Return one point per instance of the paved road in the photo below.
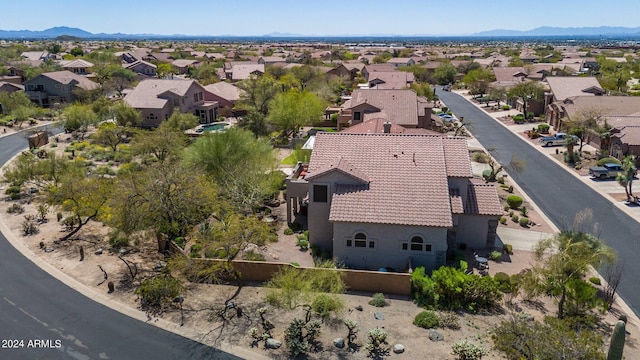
(36, 306)
(558, 193)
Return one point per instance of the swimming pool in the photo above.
(213, 127)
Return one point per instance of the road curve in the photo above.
(559, 194)
(42, 318)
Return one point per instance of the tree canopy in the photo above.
(291, 110)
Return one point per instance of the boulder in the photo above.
(273, 344)
(378, 315)
(338, 342)
(435, 336)
(99, 251)
(398, 348)
(359, 307)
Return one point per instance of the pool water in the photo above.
(213, 127)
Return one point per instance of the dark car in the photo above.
(446, 88)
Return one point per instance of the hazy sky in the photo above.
(314, 17)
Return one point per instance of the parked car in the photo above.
(606, 171)
(446, 117)
(556, 139)
(446, 88)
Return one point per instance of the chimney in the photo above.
(387, 127)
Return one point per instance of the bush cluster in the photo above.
(514, 201)
(427, 320)
(378, 300)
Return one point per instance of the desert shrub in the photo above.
(292, 287)
(117, 240)
(524, 211)
(495, 255)
(500, 180)
(451, 289)
(514, 201)
(518, 119)
(195, 248)
(303, 244)
(524, 222)
(288, 231)
(295, 226)
(159, 291)
(510, 189)
(180, 241)
(299, 335)
(29, 227)
(376, 342)
(519, 338)
(252, 256)
(607, 160)
(105, 170)
(449, 320)
(503, 220)
(506, 107)
(486, 174)
(378, 300)
(595, 280)
(530, 115)
(352, 326)
(427, 320)
(325, 304)
(508, 248)
(466, 350)
(13, 189)
(543, 128)
(481, 157)
(15, 209)
(515, 218)
(505, 208)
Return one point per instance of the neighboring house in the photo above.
(562, 88)
(381, 126)
(400, 107)
(397, 62)
(368, 69)
(77, 66)
(393, 201)
(242, 70)
(142, 68)
(8, 87)
(268, 60)
(49, 88)
(605, 107)
(625, 137)
(36, 55)
(182, 66)
(157, 99)
(225, 94)
(390, 80)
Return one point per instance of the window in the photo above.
(200, 96)
(152, 116)
(416, 243)
(31, 87)
(320, 193)
(195, 97)
(40, 87)
(357, 116)
(360, 241)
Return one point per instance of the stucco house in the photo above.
(399, 106)
(225, 94)
(76, 66)
(392, 200)
(49, 88)
(142, 69)
(156, 99)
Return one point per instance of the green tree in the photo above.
(22, 113)
(478, 81)
(164, 70)
(567, 256)
(625, 179)
(239, 163)
(586, 125)
(180, 122)
(14, 100)
(76, 51)
(445, 73)
(114, 76)
(258, 93)
(78, 117)
(111, 135)
(497, 93)
(125, 115)
(292, 110)
(167, 197)
(162, 143)
(527, 91)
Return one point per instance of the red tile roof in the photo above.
(407, 173)
(482, 199)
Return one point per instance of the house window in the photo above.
(40, 87)
(320, 193)
(152, 116)
(417, 243)
(195, 97)
(357, 116)
(360, 241)
(31, 87)
(200, 96)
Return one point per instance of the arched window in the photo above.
(416, 243)
(360, 240)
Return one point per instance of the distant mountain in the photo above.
(560, 31)
(45, 34)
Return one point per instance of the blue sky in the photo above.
(314, 17)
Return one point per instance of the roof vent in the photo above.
(387, 127)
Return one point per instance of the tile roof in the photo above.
(390, 79)
(408, 180)
(456, 201)
(400, 106)
(77, 63)
(482, 199)
(564, 87)
(629, 135)
(66, 77)
(343, 166)
(608, 105)
(375, 125)
(456, 155)
(225, 90)
(243, 71)
(145, 95)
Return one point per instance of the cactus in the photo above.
(617, 342)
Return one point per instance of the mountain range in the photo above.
(55, 32)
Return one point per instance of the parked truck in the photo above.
(606, 171)
(556, 139)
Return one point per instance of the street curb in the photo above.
(115, 305)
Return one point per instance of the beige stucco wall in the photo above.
(472, 230)
(388, 250)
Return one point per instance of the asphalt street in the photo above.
(556, 192)
(42, 318)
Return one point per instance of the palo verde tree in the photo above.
(562, 260)
(445, 73)
(527, 91)
(78, 117)
(291, 110)
(241, 164)
(625, 179)
(478, 81)
(167, 197)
